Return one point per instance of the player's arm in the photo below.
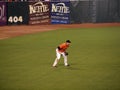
(60, 47)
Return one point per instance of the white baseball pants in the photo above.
(58, 56)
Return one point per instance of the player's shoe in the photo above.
(67, 65)
(54, 66)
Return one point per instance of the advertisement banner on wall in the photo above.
(17, 13)
(37, 0)
(3, 18)
(60, 0)
(39, 12)
(60, 12)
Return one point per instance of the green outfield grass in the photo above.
(94, 56)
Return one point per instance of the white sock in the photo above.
(65, 61)
(55, 62)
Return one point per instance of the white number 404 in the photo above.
(15, 19)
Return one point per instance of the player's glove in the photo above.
(66, 53)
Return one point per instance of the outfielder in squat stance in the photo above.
(61, 51)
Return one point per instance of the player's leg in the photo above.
(58, 55)
(65, 59)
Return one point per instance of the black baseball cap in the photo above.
(68, 41)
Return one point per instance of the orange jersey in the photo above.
(63, 47)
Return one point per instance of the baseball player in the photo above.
(61, 51)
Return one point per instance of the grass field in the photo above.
(94, 56)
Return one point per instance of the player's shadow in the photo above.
(72, 67)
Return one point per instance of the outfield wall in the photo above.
(3, 15)
(59, 12)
